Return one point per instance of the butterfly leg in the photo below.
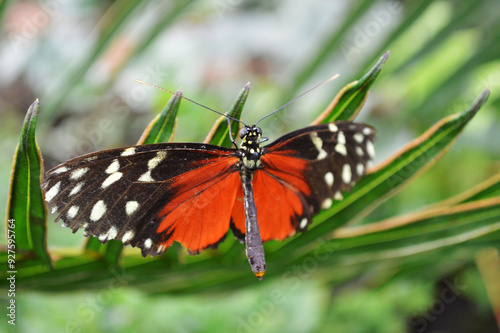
(254, 248)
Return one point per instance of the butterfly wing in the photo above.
(302, 173)
(148, 196)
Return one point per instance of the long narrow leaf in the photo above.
(406, 236)
(162, 128)
(26, 208)
(389, 177)
(349, 100)
(487, 189)
(416, 233)
(219, 134)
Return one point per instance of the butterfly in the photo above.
(150, 196)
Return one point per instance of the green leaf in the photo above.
(416, 233)
(387, 178)
(26, 209)
(162, 128)
(349, 100)
(219, 134)
(487, 189)
(3, 8)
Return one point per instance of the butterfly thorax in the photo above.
(250, 148)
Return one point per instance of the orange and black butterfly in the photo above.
(149, 196)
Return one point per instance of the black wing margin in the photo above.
(334, 156)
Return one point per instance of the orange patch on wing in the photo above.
(290, 169)
(277, 204)
(199, 215)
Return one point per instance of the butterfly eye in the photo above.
(243, 132)
(259, 131)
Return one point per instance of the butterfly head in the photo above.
(251, 151)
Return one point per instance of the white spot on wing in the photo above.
(322, 154)
(303, 223)
(111, 234)
(359, 151)
(111, 179)
(152, 163)
(160, 155)
(146, 177)
(341, 149)
(367, 131)
(72, 211)
(129, 151)
(341, 138)
(370, 149)
(113, 167)
(98, 211)
(332, 127)
(128, 236)
(76, 189)
(327, 203)
(346, 173)
(360, 168)
(78, 173)
(329, 179)
(131, 207)
(338, 196)
(60, 170)
(318, 143)
(52, 192)
(359, 137)
(54, 210)
(147, 243)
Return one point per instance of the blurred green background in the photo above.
(81, 58)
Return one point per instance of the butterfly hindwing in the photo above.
(309, 168)
(140, 194)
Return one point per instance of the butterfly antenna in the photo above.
(188, 99)
(296, 98)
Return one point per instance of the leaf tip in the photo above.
(247, 86)
(478, 102)
(33, 109)
(385, 56)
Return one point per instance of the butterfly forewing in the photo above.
(140, 195)
(304, 172)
